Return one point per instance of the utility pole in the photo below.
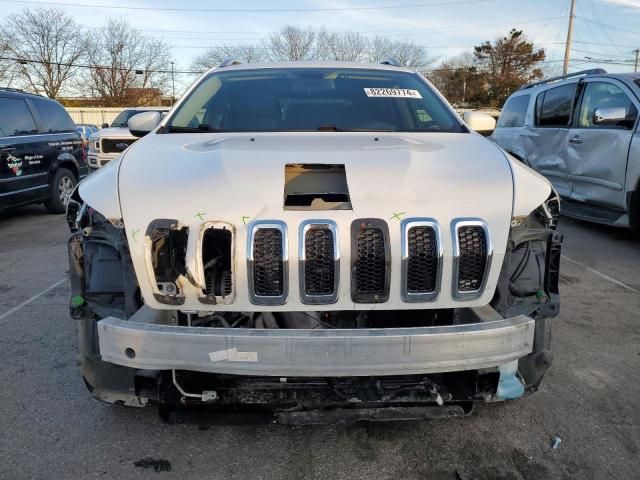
(173, 87)
(637, 52)
(567, 48)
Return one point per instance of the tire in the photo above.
(62, 185)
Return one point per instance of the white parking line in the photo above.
(602, 275)
(29, 300)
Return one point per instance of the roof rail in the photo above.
(227, 62)
(9, 89)
(391, 61)
(593, 71)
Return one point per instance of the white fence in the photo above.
(95, 116)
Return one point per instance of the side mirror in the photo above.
(105, 125)
(481, 122)
(609, 116)
(143, 123)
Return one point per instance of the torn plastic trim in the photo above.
(103, 281)
(195, 264)
(166, 286)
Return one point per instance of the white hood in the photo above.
(113, 132)
(239, 178)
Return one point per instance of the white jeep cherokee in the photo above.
(314, 237)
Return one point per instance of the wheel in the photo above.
(61, 189)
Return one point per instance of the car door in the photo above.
(547, 149)
(21, 178)
(598, 153)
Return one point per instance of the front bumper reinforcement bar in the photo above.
(315, 353)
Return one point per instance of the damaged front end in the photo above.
(528, 282)
(322, 364)
(103, 284)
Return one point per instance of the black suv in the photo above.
(41, 154)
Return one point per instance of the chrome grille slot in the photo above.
(472, 258)
(319, 260)
(421, 260)
(267, 263)
(370, 261)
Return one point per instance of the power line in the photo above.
(250, 10)
(98, 67)
(426, 46)
(390, 32)
(198, 72)
(607, 25)
(610, 57)
(621, 4)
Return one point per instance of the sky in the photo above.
(605, 33)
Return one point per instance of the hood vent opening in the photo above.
(168, 250)
(217, 262)
(370, 261)
(316, 187)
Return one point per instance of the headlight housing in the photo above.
(94, 143)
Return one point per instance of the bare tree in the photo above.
(348, 47)
(460, 81)
(380, 49)
(127, 67)
(407, 54)
(6, 65)
(214, 56)
(291, 43)
(49, 45)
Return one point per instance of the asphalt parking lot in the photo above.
(51, 428)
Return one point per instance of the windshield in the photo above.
(123, 117)
(310, 99)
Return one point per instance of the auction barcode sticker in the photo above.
(392, 92)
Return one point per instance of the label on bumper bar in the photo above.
(233, 355)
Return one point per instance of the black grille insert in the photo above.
(319, 266)
(422, 260)
(370, 261)
(114, 145)
(268, 267)
(472, 263)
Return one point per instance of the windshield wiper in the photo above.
(329, 128)
(333, 128)
(199, 129)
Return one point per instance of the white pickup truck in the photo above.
(111, 140)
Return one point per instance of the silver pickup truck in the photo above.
(581, 132)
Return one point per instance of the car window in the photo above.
(15, 118)
(554, 106)
(313, 99)
(123, 117)
(605, 95)
(514, 112)
(53, 116)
